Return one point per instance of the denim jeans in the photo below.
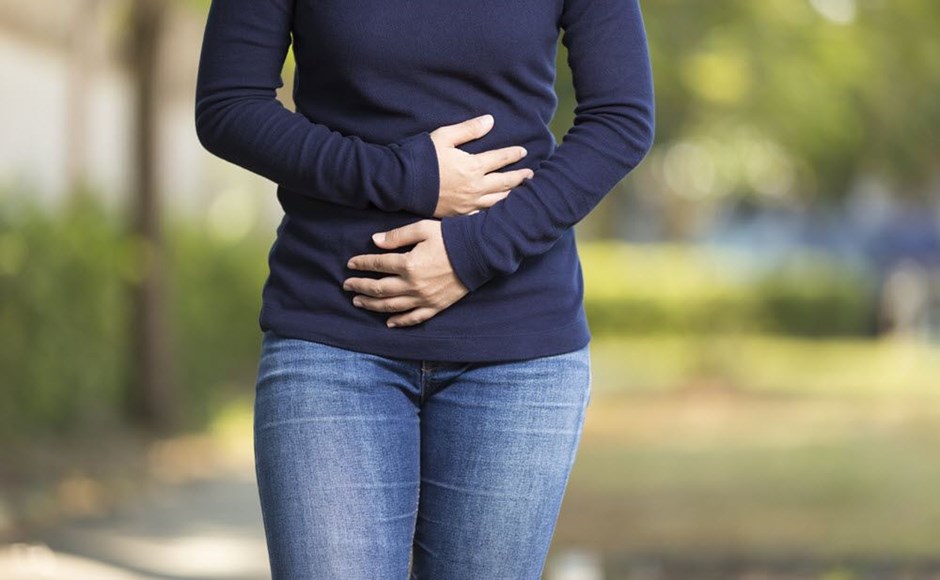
(377, 468)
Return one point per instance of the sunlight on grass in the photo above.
(752, 446)
(231, 427)
(758, 446)
(784, 365)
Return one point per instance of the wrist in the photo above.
(460, 244)
(424, 180)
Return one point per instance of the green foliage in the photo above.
(62, 314)
(215, 292)
(844, 88)
(814, 297)
(64, 321)
(688, 289)
(64, 307)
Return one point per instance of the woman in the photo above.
(420, 397)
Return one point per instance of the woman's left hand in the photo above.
(424, 282)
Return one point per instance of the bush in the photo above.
(63, 315)
(688, 289)
(64, 320)
(64, 278)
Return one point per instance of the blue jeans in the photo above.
(377, 468)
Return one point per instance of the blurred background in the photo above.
(764, 295)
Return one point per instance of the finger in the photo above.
(396, 304)
(504, 180)
(464, 131)
(416, 316)
(384, 287)
(485, 201)
(392, 263)
(493, 159)
(402, 236)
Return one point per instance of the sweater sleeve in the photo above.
(612, 132)
(239, 119)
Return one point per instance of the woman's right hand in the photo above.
(469, 181)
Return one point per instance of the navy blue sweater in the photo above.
(373, 78)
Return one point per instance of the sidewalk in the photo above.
(195, 530)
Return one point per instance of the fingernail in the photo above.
(350, 264)
(378, 238)
(392, 324)
(524, 152)
(357, 301)
(487, 120)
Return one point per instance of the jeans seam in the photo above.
(422, 381)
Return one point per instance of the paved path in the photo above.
(205, 529)
(200, 530)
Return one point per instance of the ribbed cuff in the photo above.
(461, 238)
(423, 174)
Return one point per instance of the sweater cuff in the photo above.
(461, 236)
(423, 174)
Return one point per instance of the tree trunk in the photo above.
(151, 392)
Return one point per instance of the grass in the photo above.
(758, 448)
(856, 368)
(754, 447)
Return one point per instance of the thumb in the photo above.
(401, 236)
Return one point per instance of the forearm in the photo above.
(238, 118)
(612, 132)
